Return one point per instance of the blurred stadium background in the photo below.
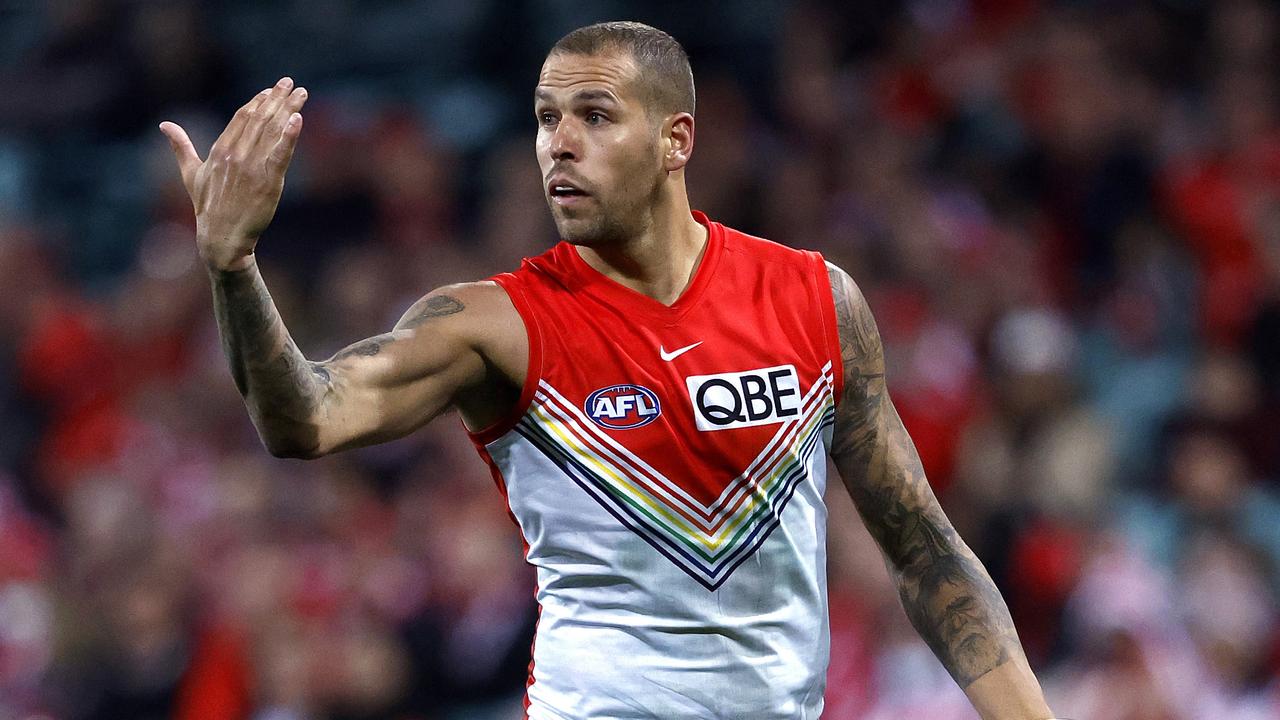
(1066, 216)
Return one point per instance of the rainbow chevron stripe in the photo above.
(706, 541)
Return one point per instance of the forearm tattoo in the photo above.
(281, 388)
(947, 594)
(286, 394)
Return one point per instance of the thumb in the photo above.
(183, 150)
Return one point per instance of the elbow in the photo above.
(301, 444)
(291, 448)
(290, 432)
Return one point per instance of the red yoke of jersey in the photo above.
(698, 388)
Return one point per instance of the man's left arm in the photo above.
(945, 590)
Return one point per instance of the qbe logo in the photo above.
(743, 399)
(619, 407)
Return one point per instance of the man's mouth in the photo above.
(565, 192)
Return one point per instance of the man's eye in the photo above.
(595, 118)
(547, 119)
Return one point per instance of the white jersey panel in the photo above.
(628, 631)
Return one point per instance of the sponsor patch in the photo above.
(620, 407)
(744, 399)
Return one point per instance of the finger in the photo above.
(243, 117)
(276, 123)
(296, 100)
(183, 150)
(282, 153)
(269, 108)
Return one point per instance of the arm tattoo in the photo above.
(365, 348)
(945, 591)
(431, 307)
(281, 388)
(285, 393)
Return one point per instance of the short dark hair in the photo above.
(663, 63)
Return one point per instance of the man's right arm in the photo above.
(377, 389)
(279, 385)
(374, 390)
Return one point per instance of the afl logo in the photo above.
(619, 407)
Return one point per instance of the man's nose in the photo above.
(564, 142)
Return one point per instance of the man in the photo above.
(651, 395)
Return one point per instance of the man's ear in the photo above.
(677, 136)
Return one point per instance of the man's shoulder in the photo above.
(479, 315)
(552, 268)
(765, 250)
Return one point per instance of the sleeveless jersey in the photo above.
(666, 466)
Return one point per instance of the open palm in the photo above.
(235, 191)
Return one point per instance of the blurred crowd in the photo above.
(1065, 215)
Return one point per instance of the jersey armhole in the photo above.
(533, 372)
(830, 327)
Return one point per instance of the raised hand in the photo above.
(236, 190)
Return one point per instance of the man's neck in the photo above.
(659, 262)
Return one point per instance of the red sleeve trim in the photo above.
(830, 327)
(533, 372)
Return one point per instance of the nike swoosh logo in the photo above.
(669, 356)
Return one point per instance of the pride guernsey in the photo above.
(666, 466)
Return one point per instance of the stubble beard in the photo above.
(607, 224)
(600, 229)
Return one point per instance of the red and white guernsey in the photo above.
(666, 466)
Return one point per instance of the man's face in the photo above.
(597, 147)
